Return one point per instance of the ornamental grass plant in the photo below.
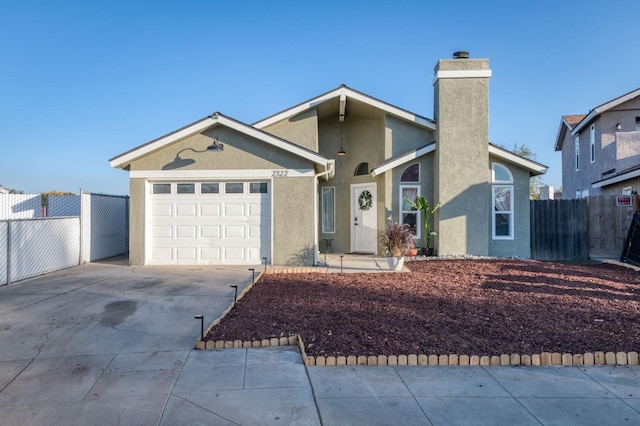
(396, 240)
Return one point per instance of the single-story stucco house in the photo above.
(332, 170)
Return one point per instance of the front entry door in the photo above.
(364, 218)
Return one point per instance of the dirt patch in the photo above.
(474, 307)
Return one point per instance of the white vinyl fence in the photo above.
(90, 227)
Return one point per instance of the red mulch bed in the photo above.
(472, 307)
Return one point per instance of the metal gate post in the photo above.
(81, 223)
(8, 252)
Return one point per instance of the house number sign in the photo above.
(279, 173)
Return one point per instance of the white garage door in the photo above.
(210, 223)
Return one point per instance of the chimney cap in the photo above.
(461, 54)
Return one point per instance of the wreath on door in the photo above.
(364, 200)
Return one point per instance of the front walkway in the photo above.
(335, 263)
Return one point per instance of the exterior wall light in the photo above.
(618, 126)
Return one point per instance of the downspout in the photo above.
(316, 180)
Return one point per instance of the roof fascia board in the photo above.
(297, 109)
(392, 110)
(403, 159)
(280, 143)
(561, 134)
(217, 118)
(602, 108)
(128, 156)
(534, 167)
(348, 92)
(616, 179)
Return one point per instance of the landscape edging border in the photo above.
(533, 360)
(200, 344)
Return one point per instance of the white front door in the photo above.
(364, 218)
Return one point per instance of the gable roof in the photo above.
(343, 93)
(123, 160)
(403, 159)
(604, 107)
(534, 167)
(568, 122)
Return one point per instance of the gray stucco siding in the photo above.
(240, 152)
(293, 221)
(137, 229)
(301, 129)
(402, 137)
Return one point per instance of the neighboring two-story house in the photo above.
(601, 149)
(335, 168)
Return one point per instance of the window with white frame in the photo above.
(592, 143)
(410, 189)
(409, 216)
(577, 153)
(502, 202)
(328, 210)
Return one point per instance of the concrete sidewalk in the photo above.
(271, 386)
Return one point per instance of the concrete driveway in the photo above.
(104, 343)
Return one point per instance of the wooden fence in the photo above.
(593, 227)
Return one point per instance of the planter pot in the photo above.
(412, 252)
(395, 263)
(427, 251)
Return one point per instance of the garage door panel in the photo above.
(234, 253)
(207, 210)
(210, 231)
(254, 254)
(255, 210)
(186, 253)
(210, 253)
(234, 231)
(186, 210)
(254, 231)
(186, 231)
(163, 254)
(162, 231)
(162, 210)
(234, 209)
(207, 228)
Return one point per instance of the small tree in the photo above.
(422, 204)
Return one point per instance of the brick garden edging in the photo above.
(541, 359)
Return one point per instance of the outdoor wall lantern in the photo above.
(179, 162)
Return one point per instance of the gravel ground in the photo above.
(473, 307)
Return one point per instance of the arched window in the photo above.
(500, 174)
(362, 169)
(502, 202)
(411, 174)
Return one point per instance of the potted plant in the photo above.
(396, 241)
(422, 204)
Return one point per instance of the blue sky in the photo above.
(83, 81)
